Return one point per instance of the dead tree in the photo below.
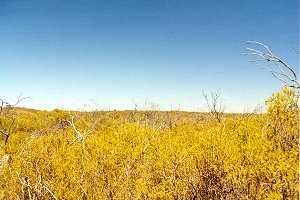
(280, 70)
(215, 104)
(8, 117)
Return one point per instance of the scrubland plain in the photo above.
(151, 154)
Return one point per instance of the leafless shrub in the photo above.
(172, 119)
(250, 113)
(149, 115)
(215, 104)
(133, 114)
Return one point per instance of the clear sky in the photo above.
(68, 53)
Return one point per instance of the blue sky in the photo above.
(65, 54)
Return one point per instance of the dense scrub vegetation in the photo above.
(152, 155)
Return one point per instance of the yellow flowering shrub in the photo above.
(283, 115)
(150, 157)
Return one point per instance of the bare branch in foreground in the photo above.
(284, 72)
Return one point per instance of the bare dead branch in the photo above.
(6, 136)
(297, 50)
(80, 137)
(6, 128)
(284, 72)
(71, 123)
(50, 192)
(20, 98)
